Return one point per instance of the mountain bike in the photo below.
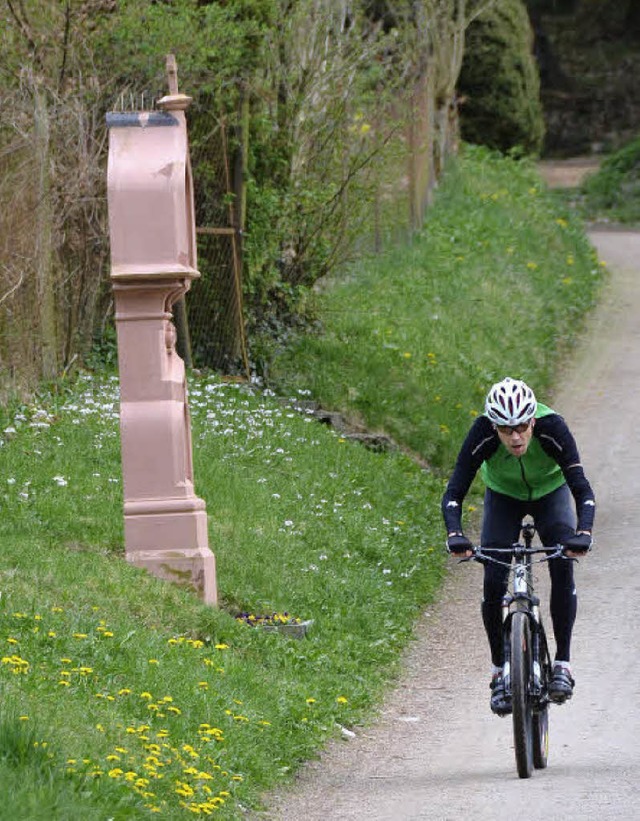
(527, 669)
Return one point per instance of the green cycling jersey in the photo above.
(528, 477)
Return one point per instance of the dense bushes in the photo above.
(614, 191)
(499, 82)
(337, 119)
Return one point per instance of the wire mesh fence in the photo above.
(398, 189)
(214, 304)
(54, 285)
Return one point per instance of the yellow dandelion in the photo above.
(116, 772)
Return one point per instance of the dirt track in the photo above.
(437, 752)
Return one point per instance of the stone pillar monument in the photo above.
(153, 260)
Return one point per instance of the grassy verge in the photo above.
(128, 690)
(497, 283)
(124, 697)
(612, 194)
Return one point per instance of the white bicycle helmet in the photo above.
(510, 402)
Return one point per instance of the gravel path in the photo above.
(436, 751)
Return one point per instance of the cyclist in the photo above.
(529, 463)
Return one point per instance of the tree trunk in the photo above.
(44, 238)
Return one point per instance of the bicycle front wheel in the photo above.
(521, 667)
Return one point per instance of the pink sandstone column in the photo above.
(153, 260)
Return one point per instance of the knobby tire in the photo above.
(540, 727)
(521, 667)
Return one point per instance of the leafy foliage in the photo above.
(613, 192)
(499, 82)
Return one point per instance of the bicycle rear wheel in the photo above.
(521, 666)
(540, 729)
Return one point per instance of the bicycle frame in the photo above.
(526, 683)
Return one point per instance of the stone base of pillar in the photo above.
(156, 541)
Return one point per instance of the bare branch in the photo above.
(12, 290)
(65, 44)
(20, 16)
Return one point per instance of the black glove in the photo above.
(458, 544)
(578, 543)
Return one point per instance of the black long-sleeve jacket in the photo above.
(528, 477)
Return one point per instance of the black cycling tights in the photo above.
(563, 605)
(554, 517)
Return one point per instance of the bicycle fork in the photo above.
(523, 601)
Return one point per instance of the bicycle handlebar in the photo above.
(482, 554)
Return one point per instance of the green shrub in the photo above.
(614, 191)
(499, 83)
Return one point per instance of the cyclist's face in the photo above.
(516, 441)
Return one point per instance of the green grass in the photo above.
(611, 194)
(497, 283)
(123, 677)
(126, 697)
